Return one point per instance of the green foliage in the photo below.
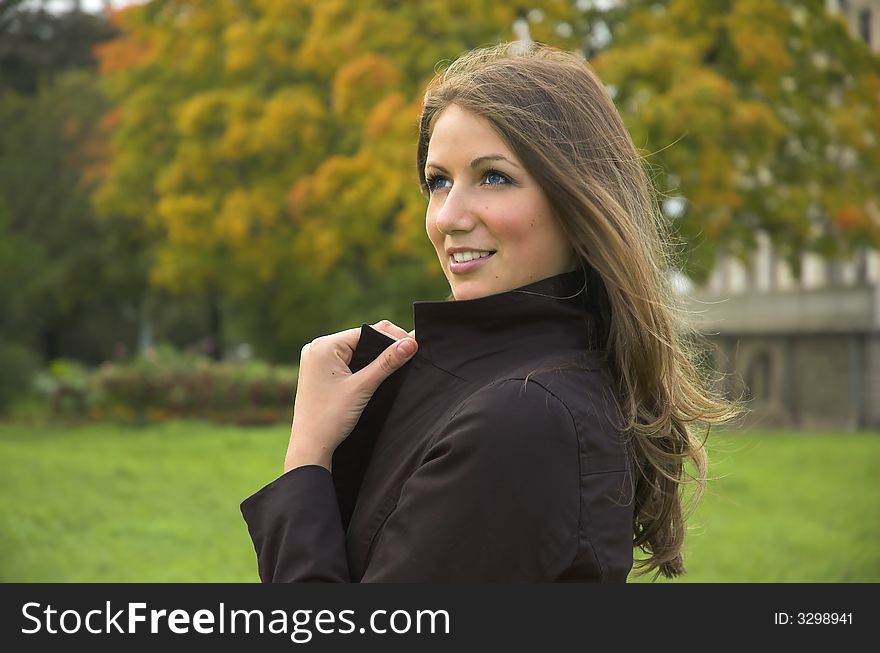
(45, 209)
(164, 384)
(36, 44)
(71, 284)
(61, 265)
(17, 366)
(68, 387)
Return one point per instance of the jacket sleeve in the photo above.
(496, 498)
(296, 528)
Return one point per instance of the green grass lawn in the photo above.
(114, 504)
(788, 507)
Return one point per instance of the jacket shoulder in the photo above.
(509, 412)
(584, 387)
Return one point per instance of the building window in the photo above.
(865, 25)
(759, 377)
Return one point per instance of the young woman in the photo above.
(537, 427)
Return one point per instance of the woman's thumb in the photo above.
(406, 347)
(389, 361)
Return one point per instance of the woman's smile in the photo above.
(463, 261)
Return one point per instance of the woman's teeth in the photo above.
(464, 257)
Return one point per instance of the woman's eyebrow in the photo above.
(491, 157)
(475, 163)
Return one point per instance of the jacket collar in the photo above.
(473, 340)
(469, 337)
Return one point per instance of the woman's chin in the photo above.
(473, 290)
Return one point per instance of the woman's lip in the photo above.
(468, 266)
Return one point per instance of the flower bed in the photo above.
(166, 385)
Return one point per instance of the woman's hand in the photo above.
(330, 399)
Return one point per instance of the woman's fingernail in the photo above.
(407, 347)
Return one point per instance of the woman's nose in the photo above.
(455, 214)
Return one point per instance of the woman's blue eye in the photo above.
(435, 183)
(497, 176)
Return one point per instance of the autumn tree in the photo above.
(761, 115)
(272, 142)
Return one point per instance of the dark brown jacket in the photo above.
(492, 455)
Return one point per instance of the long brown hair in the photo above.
(557, 116)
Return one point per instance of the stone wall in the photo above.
(810, 381)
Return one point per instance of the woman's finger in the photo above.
(343, 343)
(391, 330)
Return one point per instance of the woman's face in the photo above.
(489, 221)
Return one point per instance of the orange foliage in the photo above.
(851, 217)
(359, 82)
(130, 50)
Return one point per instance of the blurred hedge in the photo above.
(164, 385)
(17, 366)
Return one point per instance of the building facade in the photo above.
(803, 353)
